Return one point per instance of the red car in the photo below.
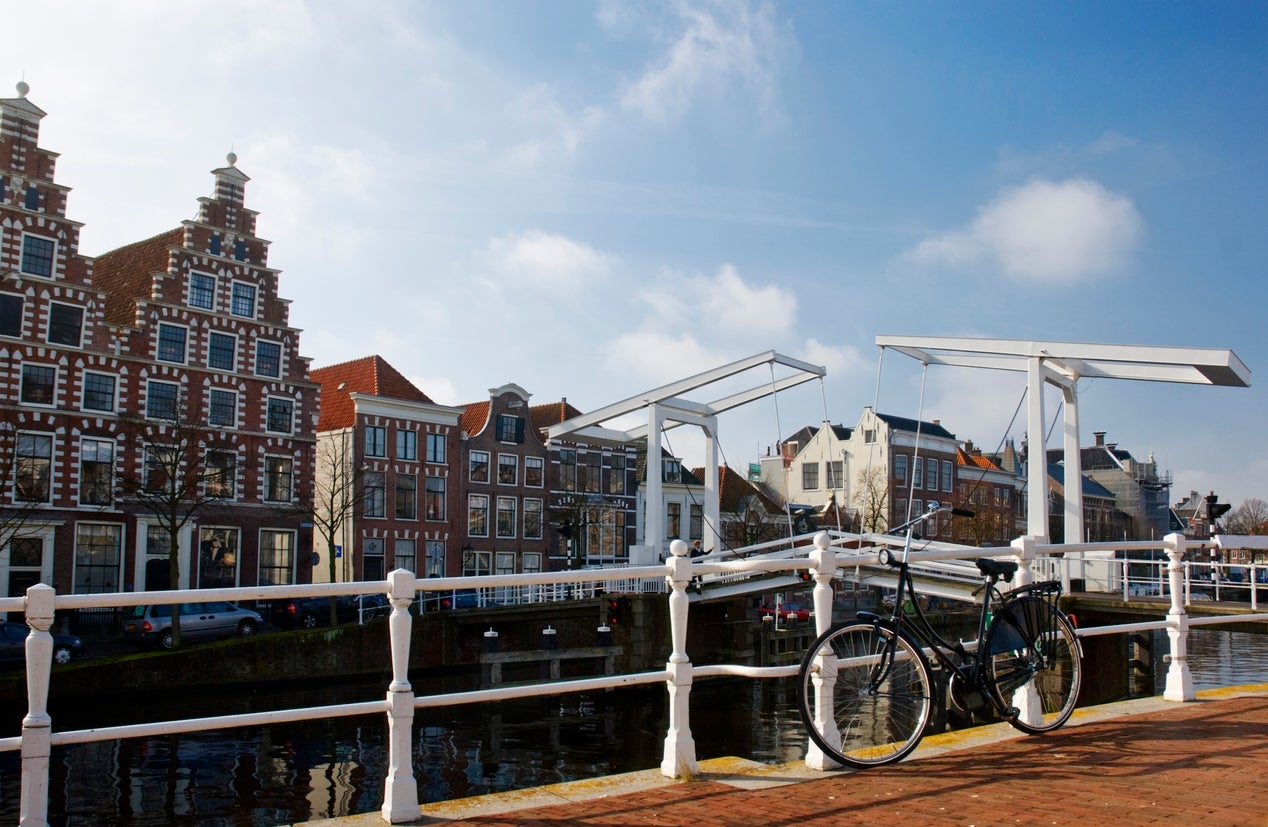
(786, 611)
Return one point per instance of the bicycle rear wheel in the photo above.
(865, 694)
(1033, 663)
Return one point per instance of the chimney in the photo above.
(1100, 438)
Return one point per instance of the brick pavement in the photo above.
(1201, 763)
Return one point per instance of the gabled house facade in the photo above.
(1141, 491)
(812, 468)
(506, 489)
(992, 494)
(105, 360)
(388, 460)
(1102, 519)
(592, 504)
(682, 507)
(747, 514)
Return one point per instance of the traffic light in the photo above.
(616, 610)
(1215, 509)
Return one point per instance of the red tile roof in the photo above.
(733, 487)
(369, 375)
(552, 413)
(964, 458)
(126, 274)
(474, 417)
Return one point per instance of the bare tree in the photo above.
(339, 494)
(181, 475)
(1251, 517)
(872, 502)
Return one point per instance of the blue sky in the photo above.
(591, 199)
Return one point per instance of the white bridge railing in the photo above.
(825, 559)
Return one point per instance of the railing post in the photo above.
(680, 749)
(823, 563)
(400, 790)
(37, 732)
(1025, 555)
(1179, 680)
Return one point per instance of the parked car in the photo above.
(152, 625)
(13, 644)
(456, 599)
(311, 612)
(785, 611)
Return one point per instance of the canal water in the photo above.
(296, 772)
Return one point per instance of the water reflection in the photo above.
(303, 771)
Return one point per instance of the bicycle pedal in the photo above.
(1012, 713)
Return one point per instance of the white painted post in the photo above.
(400, 790)
(1025, 556)
(1026, 697)
(823, 564)
(1179, 679)
(37, 732)
(680, 748)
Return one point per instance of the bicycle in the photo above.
(866, 688)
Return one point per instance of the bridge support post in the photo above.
(37, 730)
(823, 565)
(400, 790)
(1025, 557)
(1179, 680)
(680, 748)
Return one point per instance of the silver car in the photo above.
(152, 625)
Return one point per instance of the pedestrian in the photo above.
(697, 551)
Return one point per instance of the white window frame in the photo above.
(281, 356)
(52, 402)
(268, 415)
(233, 365)
(52, 267)
(158, 343)
(195, 274)
(114, 392)
(83, 316)
(233, 417)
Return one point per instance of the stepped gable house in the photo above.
(388, 456)
(105, 360)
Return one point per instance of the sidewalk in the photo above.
(1132, 763)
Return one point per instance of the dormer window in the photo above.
(510, 428)
(672, 470)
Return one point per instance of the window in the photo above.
(590, 472)
(404, 555)
(534, 472)
(171, 343)
(32, 199)
(375, 494)
(947, 482)
(508, 508)
(508, 469)
(214, 246)
(277, 478)
(435, 558)
(478, 515)
(268, 359)
(673, 527)
(98, 553)
(917, 475)
(406, 497)
(160, 462)
(96, 471)
(531, 562)
(672, 470)
(434, 498)
(10, 315)
(869, 436)
(900, 468)
(217, 558)
(406, 444)
(65, 324)
(220, 473)
(510, 428)
(242, 300)
(34, 467)
(695, 528)
(809, 476)
(160, 400)
(281, 415)
(616, 475)
(533, 522)
(222, 408)
(479, 466)
(37, 256)
(375, 441)
(202, 291)
(222, 351)
(38, 384)
(931, 475)
(277, 558)
(98, 392)
(240, 250)
(568, 469)
(436, 448)
(836, 473)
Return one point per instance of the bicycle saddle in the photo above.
(1003, 569)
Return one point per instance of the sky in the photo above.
(594, 199)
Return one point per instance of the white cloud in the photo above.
(839, 360)
(657, 357)
(720, 305)
(537, 259)
(1051, 232)
(716, 46)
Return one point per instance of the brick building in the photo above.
(103, 361)
(387, 460)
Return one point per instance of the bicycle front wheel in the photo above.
(1033, 664)
(865, 694)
